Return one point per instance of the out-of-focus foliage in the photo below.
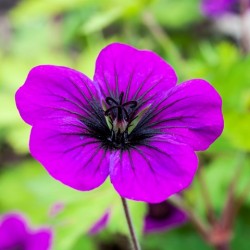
(72, 33)
(35, 193)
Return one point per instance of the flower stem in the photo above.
(200, 226)
(206, 197)
(134, 239)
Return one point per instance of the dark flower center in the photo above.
(120, 115)
(122, 112)
(119, 124)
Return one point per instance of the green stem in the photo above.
(206, 197)
(135, 242)
(200, 226)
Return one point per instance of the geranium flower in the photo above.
(132, 123)
(220, 7)
(163, 216)
(15, 234)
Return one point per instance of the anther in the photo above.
(121, 97)
(122, 112)
(132, 103)
(109, 101)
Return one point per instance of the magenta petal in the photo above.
(137, 73)
(71, 158)
(14, 234)
(192, 113)
(53, 91)
(13, 231)
(40, 240)
(154, 172)
(100, 224)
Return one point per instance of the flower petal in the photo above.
(13, 231)
(73, 159)
(40, 240)
(192, 113)
(53, 91)
(137, 73)
(153, 172)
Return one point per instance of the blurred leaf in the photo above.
(176, 239)
(242, 231)
(9, 114)
(102, 20)
(32, 9)
(84, 242)
(222, 145)
(237, 129)
(18, 137)
(218, 175)
(176, 14)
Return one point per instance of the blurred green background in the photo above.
(71, 33)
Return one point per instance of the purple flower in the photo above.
(163, 216)
(215, 8)
(132, 123)
(14, 234)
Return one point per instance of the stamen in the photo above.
(126, 114)
(122, 112)
(132, 103)
(109, 101)
(107, 112)
(121, 97)
(119, 113)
